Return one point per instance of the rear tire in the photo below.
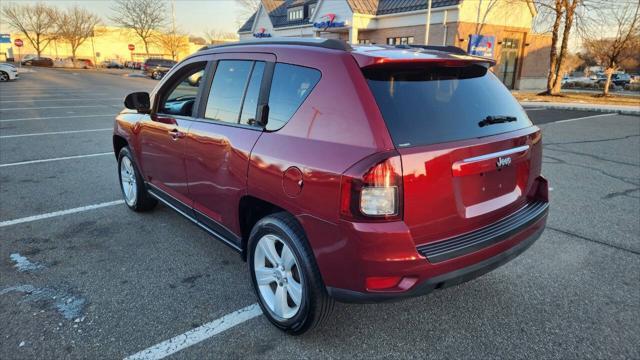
(156, 75)
(300, 281)
(132, 184)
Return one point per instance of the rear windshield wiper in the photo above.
(496, 120)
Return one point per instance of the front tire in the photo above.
(4, 77)
(156, 75)
(132, 184)
(285, 276)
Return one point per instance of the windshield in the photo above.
(429, 105)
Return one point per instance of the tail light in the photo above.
(372, 189)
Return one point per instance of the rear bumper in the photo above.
(445, 280)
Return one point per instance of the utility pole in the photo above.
(173, 16)
(93, 48)
(426, 34)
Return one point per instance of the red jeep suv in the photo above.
(357, 174)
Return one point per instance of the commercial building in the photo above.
(500, 29)
(108, 43)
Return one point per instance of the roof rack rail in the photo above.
(314, 42)
(447, 48)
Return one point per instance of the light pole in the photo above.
(426, 33)
(93, 48)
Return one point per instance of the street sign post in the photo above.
(18, 43)
(131, 48)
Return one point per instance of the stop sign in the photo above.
(18, 42)
(132, 47)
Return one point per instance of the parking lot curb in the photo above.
(623, 110)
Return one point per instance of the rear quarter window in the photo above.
(429, 105)
(290, 86)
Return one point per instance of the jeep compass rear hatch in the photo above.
(470, 155)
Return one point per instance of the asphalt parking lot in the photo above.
(99, 281)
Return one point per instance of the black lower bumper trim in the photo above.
(505, 228)
(439, 282)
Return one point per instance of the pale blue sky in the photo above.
(192, 16)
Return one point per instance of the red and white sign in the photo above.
(18, 42)
(131, 47)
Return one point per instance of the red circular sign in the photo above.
(18, 42)
(132, 47)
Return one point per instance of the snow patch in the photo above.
(68, 305)
(23, 264)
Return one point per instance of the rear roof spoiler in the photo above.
(417, 54)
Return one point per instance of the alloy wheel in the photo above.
(4, 77)
(128, 181)
(278, 276)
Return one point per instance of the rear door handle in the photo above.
(176, 134)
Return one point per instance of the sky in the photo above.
(192, 16)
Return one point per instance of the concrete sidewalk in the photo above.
(621, 109)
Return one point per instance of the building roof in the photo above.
(277, 9)
(384, 7)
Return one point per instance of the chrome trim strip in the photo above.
(201, 225)
(497, 154)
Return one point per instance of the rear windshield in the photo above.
(429, 105)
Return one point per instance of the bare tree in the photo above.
(144, 17)
(173, 41)
(623, 46)
(215, 36)
(560, 16)
(246, 8)
(74, 26)
(34, 21)
(482, 13)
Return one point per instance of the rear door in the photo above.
(219, 143)
(469, 152)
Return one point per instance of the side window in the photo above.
(182, 93)
(250, 105)
(290, 86)
(227, 90)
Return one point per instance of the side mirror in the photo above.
(139, 101)
(263, 115)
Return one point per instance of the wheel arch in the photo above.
(118, 143)
(250, 210)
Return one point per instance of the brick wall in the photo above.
(436, 34)
(536, 57)
(533, 60)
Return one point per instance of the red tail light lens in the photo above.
(372, 189)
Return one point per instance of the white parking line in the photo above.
(58, 107)
(59, 213)
(53, 133)
(57, 93)
(585, 117)
(198, 334)
(534, 109)
(54, 159)
(57, 117)
(57, 100)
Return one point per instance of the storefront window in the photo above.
(405, 40)
(364, 41)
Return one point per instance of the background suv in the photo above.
(156, 68)
(355, 174)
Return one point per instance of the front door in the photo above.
(219, 143)
(162, 134)
(509, 61)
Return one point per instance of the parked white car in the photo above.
(8, 72)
